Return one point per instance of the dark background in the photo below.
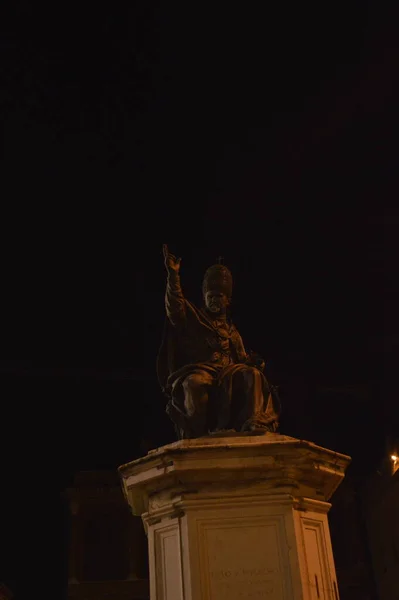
(266, 136)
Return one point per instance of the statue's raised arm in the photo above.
(174, 300)
(171, 262)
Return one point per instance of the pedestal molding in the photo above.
(233, 518)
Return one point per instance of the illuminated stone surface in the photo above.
(237, 517)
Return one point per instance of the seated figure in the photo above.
(211, 382)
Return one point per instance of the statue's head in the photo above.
(217, 288)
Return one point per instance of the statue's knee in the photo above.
(251, 372)
(193, 381)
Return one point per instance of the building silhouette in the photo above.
(381, 510)
(5, 592)
(107, 544)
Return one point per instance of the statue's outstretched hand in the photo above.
(171, 262)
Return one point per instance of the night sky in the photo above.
(268, 138)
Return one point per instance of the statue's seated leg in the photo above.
(251, 406)
(196, 388)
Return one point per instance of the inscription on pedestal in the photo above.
(244, 583)
(243, 560)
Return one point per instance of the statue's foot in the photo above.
(221, 432)
(258, 431)
(254, 429)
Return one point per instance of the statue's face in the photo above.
(216, 302)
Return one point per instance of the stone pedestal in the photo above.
(237, 517)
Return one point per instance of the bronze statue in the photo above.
(211, 382)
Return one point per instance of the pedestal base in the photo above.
(236, 518)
